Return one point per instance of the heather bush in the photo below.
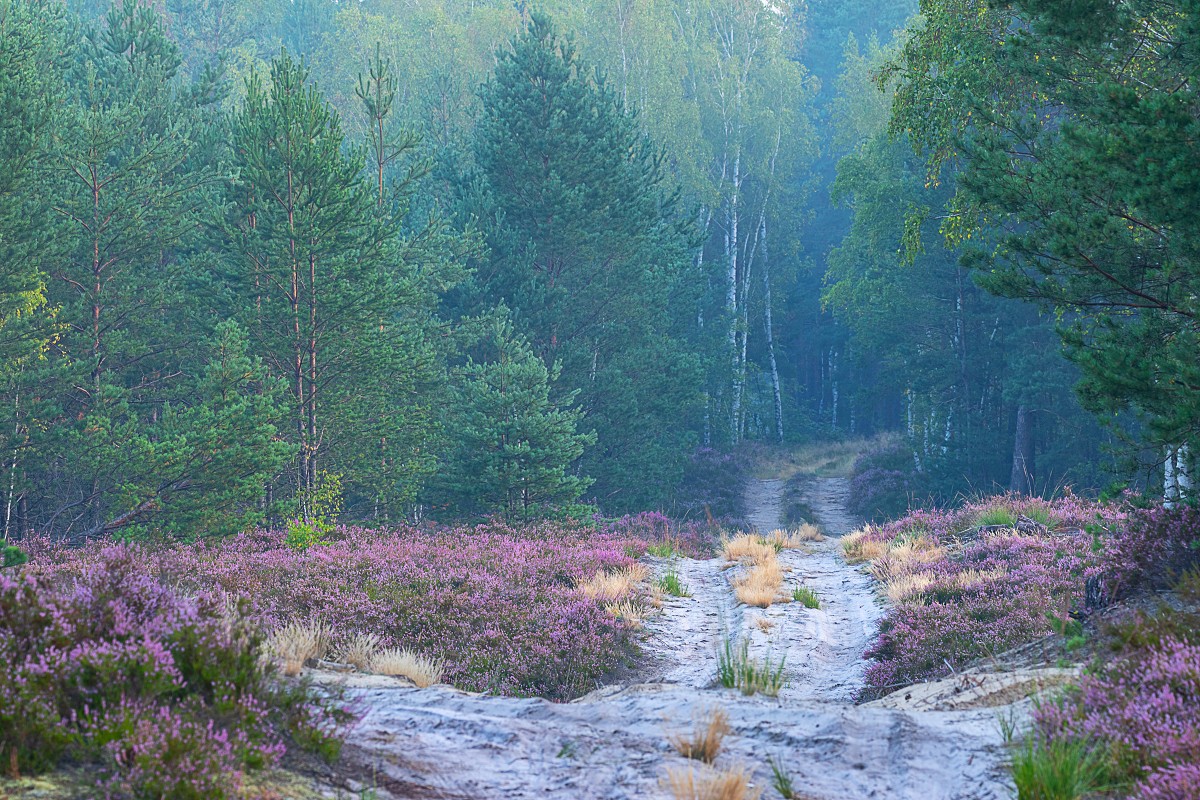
(712, 485)
(658, 534)
(966, 590)
(106, 663)
(498, 606)
(883, 481)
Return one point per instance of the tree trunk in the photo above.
(733, 303)
(1021, 480)
(768, 324)
(1177, 481)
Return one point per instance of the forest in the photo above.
(288, 254)
(826, 350)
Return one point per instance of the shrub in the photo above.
(883, 481)
(961, 594)
(107, 664)
(712, 485)
(664, 537)
(498, 605)
(1143, 709)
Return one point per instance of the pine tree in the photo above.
(513, 447)
(587, 250)
(130, 419)
(327, 288)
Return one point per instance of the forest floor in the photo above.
(615, 743)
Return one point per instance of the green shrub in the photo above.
(317, 511)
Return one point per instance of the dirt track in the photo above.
(613, 743)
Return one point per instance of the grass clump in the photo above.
(1059, 769)
(704, 743)
(802, 594)
(609, 586)
(359, 650)
(997, 515)
(781, 779)
(761, 586)
(298, 642)
(706, 783)
(737, 670)
(747, 548)
(404, 663)
(663, 550)
(672, 585)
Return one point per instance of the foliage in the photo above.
(108, 664)
(497, 605)
(514, 450)
(984, 593)
(318, 509)
(802, 594)
(13, 556)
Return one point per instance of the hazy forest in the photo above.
(350, 348)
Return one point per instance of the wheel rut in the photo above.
(613, 743)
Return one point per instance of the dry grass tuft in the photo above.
(296, 642)
(637, 572)
(807, 533)
(764, 624)
(706, 783)
(610, 587)
(747, 547)
(631, 613)
(852, 544)
(904, 557)
(905, 587)
(973, 577)
(359, 650)
(607, 587)
(709, 730)
(760, 587)
(404, 663)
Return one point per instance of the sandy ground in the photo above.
(614, 743)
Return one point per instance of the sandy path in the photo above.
(613, 743)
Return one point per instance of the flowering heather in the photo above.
(984, 589)
(1144, 710)
(689, 539)
(105, 662)
(499, 606)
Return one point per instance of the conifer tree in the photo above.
(328, 291)
(587, 250)
(132, 415)
(514, 449)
